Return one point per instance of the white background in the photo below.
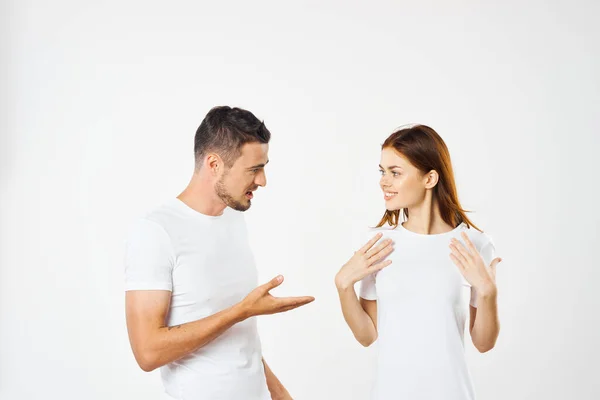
(100, 102)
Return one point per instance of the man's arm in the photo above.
(155, 344)
(278, 391)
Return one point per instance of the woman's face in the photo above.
(403, 185)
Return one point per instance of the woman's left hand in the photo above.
(471, 265)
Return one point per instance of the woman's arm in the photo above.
(484, 322)
(485, 325)
(361, 315)
(276, 388)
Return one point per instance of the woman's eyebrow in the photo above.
(390, 167)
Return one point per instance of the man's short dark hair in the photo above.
(225, 130)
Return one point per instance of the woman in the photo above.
(419, 275)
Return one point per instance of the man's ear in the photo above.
(213, 163)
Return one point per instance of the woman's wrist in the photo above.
(486, 289)
(342, 284)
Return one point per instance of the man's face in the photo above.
(236, 185)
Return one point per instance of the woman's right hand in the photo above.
(364, 262)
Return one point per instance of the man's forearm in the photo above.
(168, 344)
(276, 388)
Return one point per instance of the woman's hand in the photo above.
(364, 262)
(471, 265)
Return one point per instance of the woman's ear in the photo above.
(431, 179)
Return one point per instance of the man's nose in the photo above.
(261, 179)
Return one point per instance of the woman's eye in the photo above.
(381, 172)
(395, 173)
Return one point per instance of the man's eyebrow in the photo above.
(259, 165)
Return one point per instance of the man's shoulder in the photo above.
(162, 216)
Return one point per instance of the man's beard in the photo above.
(228, 198)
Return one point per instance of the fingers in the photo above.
(288, 308)
(459, 250)
(495, 262)
(470, 244)
(493, 265)
(294, 302)
(273, 283)
(380, 255)
(370, 243)
(381, 265)
(378, 249)
(457, 262)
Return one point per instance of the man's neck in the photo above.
(200, 196)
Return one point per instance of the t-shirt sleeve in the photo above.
(488, 253)
(367, 289)
(149, 258)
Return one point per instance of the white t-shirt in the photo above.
(207, 264)
(422, 306)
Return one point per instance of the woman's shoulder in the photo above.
(480, 239)
(383, 229)
(364, 234)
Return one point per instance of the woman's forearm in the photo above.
(366, 261)
(357, 319)
(276, 388)
(487, 326)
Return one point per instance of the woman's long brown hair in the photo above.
(426, 150)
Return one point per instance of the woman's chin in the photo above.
(392, 207)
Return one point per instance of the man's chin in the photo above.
(240, 205)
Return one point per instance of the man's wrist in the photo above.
(240, 312)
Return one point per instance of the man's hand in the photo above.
(261, 302)
(155, 344)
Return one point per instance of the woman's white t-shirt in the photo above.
(422, 306)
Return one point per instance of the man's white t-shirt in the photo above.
(207, 264)
(422, 306)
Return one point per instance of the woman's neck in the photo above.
(426, 219)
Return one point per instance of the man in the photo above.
(191, 278)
